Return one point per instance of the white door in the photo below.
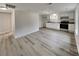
(5, 22)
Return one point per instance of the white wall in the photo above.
(77, 21)
(5, 22)
(77, 26)
(40, 22)
(44, 18)
(26, 23)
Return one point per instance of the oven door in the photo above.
(63, 26)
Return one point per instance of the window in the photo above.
(53, 17)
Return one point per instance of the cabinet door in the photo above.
(53, 25)
(71, 27)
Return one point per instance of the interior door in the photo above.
(5, 22)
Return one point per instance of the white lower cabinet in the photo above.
(71, 27)
(53, 25)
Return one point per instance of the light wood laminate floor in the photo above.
(45, 42)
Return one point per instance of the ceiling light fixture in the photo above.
(49, 3)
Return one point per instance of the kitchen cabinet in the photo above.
(56, 25)
(71, 27)
(53, 25)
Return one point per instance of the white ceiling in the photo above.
(45, 8)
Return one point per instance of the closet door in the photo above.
(5, 22)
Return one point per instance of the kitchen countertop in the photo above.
(60, 22)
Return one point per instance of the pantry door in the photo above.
(5, 22)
